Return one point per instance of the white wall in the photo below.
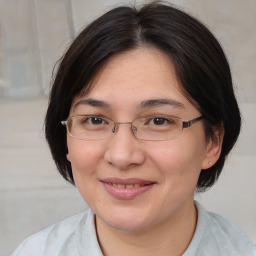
(33, 35)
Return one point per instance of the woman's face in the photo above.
(129, 183)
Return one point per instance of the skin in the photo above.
(162, 220)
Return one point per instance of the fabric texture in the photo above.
(76, 236)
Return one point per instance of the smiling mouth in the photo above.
(129, 186)
(126, 189)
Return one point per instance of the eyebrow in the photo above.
(161, 102)
(93, 103)
(144, 104)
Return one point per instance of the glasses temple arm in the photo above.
(64, 123)
(186, 124)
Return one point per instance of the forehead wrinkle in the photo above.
(161, 102)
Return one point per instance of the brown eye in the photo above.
(159, 120)
(95, 120)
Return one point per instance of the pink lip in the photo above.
(126, 193)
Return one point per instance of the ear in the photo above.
(68, 157)
(213, 149)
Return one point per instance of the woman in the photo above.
(142, 113)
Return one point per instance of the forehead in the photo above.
(137, 69)
(136, 76)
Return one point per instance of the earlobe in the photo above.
(213, 149)
(68, 157)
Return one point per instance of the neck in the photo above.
(170, 237)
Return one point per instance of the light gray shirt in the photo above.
(76, 236)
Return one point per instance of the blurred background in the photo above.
(33, 36)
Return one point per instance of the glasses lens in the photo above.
(157, 127)
(90, 127)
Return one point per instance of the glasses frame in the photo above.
(185, 124)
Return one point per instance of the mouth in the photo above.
(127, 189)
(129, 186)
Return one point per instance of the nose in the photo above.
(124, 149)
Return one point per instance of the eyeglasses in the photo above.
(149, 128)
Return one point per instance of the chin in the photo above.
(126, 221)
(128, 226)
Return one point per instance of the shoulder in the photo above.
(53, 238)
(223, 236)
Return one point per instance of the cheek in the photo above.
(179, 158)
(84, 156)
